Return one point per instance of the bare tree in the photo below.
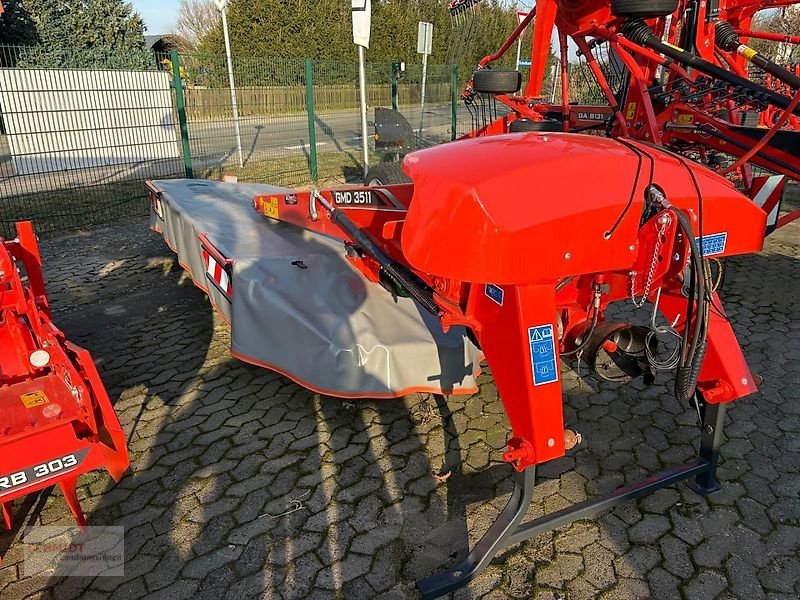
(785, 21)
(196, 19)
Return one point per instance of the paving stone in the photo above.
(216, 444)
(707, 584)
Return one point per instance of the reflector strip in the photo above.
(217, 274)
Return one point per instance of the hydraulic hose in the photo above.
(397, 272)
(727, 39)
(692, 359)
(686, 377)
(637, 31)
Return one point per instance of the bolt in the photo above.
(632, 248)
(567, 256)
(676, 256)
(551, 442)
(663, 220)
(744, 380)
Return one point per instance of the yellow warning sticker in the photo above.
(685, 119)
(34, 399)
(747, 52)
(268, 206)
(271, 208)
(631, 111)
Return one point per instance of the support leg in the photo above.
(710, 441)
(494, 540)
(68, 489)
(8, 518)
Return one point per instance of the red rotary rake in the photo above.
(677, 74)
(57, 421)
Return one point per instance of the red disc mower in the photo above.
(526, 231)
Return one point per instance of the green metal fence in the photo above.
(76, 145)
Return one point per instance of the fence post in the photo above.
(312, 130)
(453, 101)
(395, 69)
(177, 83)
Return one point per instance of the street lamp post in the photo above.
(222, 5)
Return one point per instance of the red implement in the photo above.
(686, 80)
(526, 239)
(56, 421)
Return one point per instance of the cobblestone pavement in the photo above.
(219, 449)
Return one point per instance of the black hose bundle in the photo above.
(694, 342)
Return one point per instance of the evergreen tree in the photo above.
(83, 34)
(16, 25)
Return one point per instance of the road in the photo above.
(213, 144)
(215, 141)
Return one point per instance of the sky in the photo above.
(158, 15)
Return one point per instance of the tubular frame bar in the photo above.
(508, 530)
(492, 542)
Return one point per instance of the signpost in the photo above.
(521, 16)
(361, 10)
(222, 5)
(424, 47)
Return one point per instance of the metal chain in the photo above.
(664, 221)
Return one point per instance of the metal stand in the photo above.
(507, 531)
(494, 540)
(710, 440)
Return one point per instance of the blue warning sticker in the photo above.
(713, 244)
(543, 354)
(495, 292)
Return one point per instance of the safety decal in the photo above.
(495, 292)
(631, 110)
(543, 354)
(267, 206)
(290, 199)
(713, 244)
(34, 399)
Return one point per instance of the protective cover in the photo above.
(318, 321)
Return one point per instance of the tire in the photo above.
(643, 9)
(498, 81)
(386, 173)
(529, 125)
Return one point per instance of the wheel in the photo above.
(386, 173)
(643, 9)
(497, 81)
(529, 125)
